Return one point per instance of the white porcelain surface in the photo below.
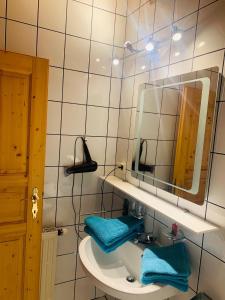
(79, 19)
(52, 16)
(121, 7)
(55, 84)
(54, 117)
(75, 87)
(109, 5)
(25, 12)
(109, 271)
(21, 38)
(77, 53)
(103, 33)
(120, 31)
(51, 46)
(74, 112)
(97, 121)
(188, 220)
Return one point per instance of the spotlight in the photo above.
(149, 46)
(116, 61)
(177, 34)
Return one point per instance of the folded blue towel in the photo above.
(109, 234)
(166, 265)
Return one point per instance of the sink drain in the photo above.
(131, 278)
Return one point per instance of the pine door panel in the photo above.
(23, 110)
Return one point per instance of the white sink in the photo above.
(109, 271)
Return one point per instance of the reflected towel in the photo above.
(166, 265)
(109, 234)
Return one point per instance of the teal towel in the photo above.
(112, 233)
(166, 265)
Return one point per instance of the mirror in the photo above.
(174, 124)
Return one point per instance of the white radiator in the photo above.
(48, 264)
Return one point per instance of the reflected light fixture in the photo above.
(116, 61)
(150, 46)
(177, 34)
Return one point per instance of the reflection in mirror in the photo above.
(174, 123)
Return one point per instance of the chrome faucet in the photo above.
(138, 210)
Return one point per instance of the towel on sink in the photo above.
(109, 234)
(166, 265)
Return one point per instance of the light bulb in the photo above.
(116, 61)
(149, 46)
(177, 36)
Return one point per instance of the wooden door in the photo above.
(186, 143)
(23, 106)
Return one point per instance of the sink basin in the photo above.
(109, 272)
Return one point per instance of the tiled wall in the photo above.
(80, 38)
(202, 46)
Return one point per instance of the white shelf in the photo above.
(186, 219)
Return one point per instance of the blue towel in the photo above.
(109, 234)
(166, 265)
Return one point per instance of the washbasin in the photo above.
(109, 272)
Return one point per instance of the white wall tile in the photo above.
(90, 204)
(66, 182)
(25, 12)
(49, 211)
(64, 290)
(65, 214)
(101, 59)
(111, 151)
(52, 16)
(97, 147)
(109, 5)
(97, 121)
(52, 150)
(212, 277)
(77, 53)
(120, 31)
(54, 117)
(118, 69)
(132, 5)
(102, 33)
(65, 268)
(67, 150)
(184, 7)
(21, 38)
(210, 30)
(121, 7)
(209, 60)
(55, 84)
(146, 19)
(75, 87)
(124, 122)
(51, 46)
(127, 92)
(115, 92)
(79, 19)
(73, 119)
(164, 13)
(67, 242)
(113, 122)
(50, 184)
(2, 34)
(132, 27)
(84, 289)
(217, 188)
(92, 184)
(98, 90)
(220, 142)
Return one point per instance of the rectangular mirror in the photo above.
(174, 124)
